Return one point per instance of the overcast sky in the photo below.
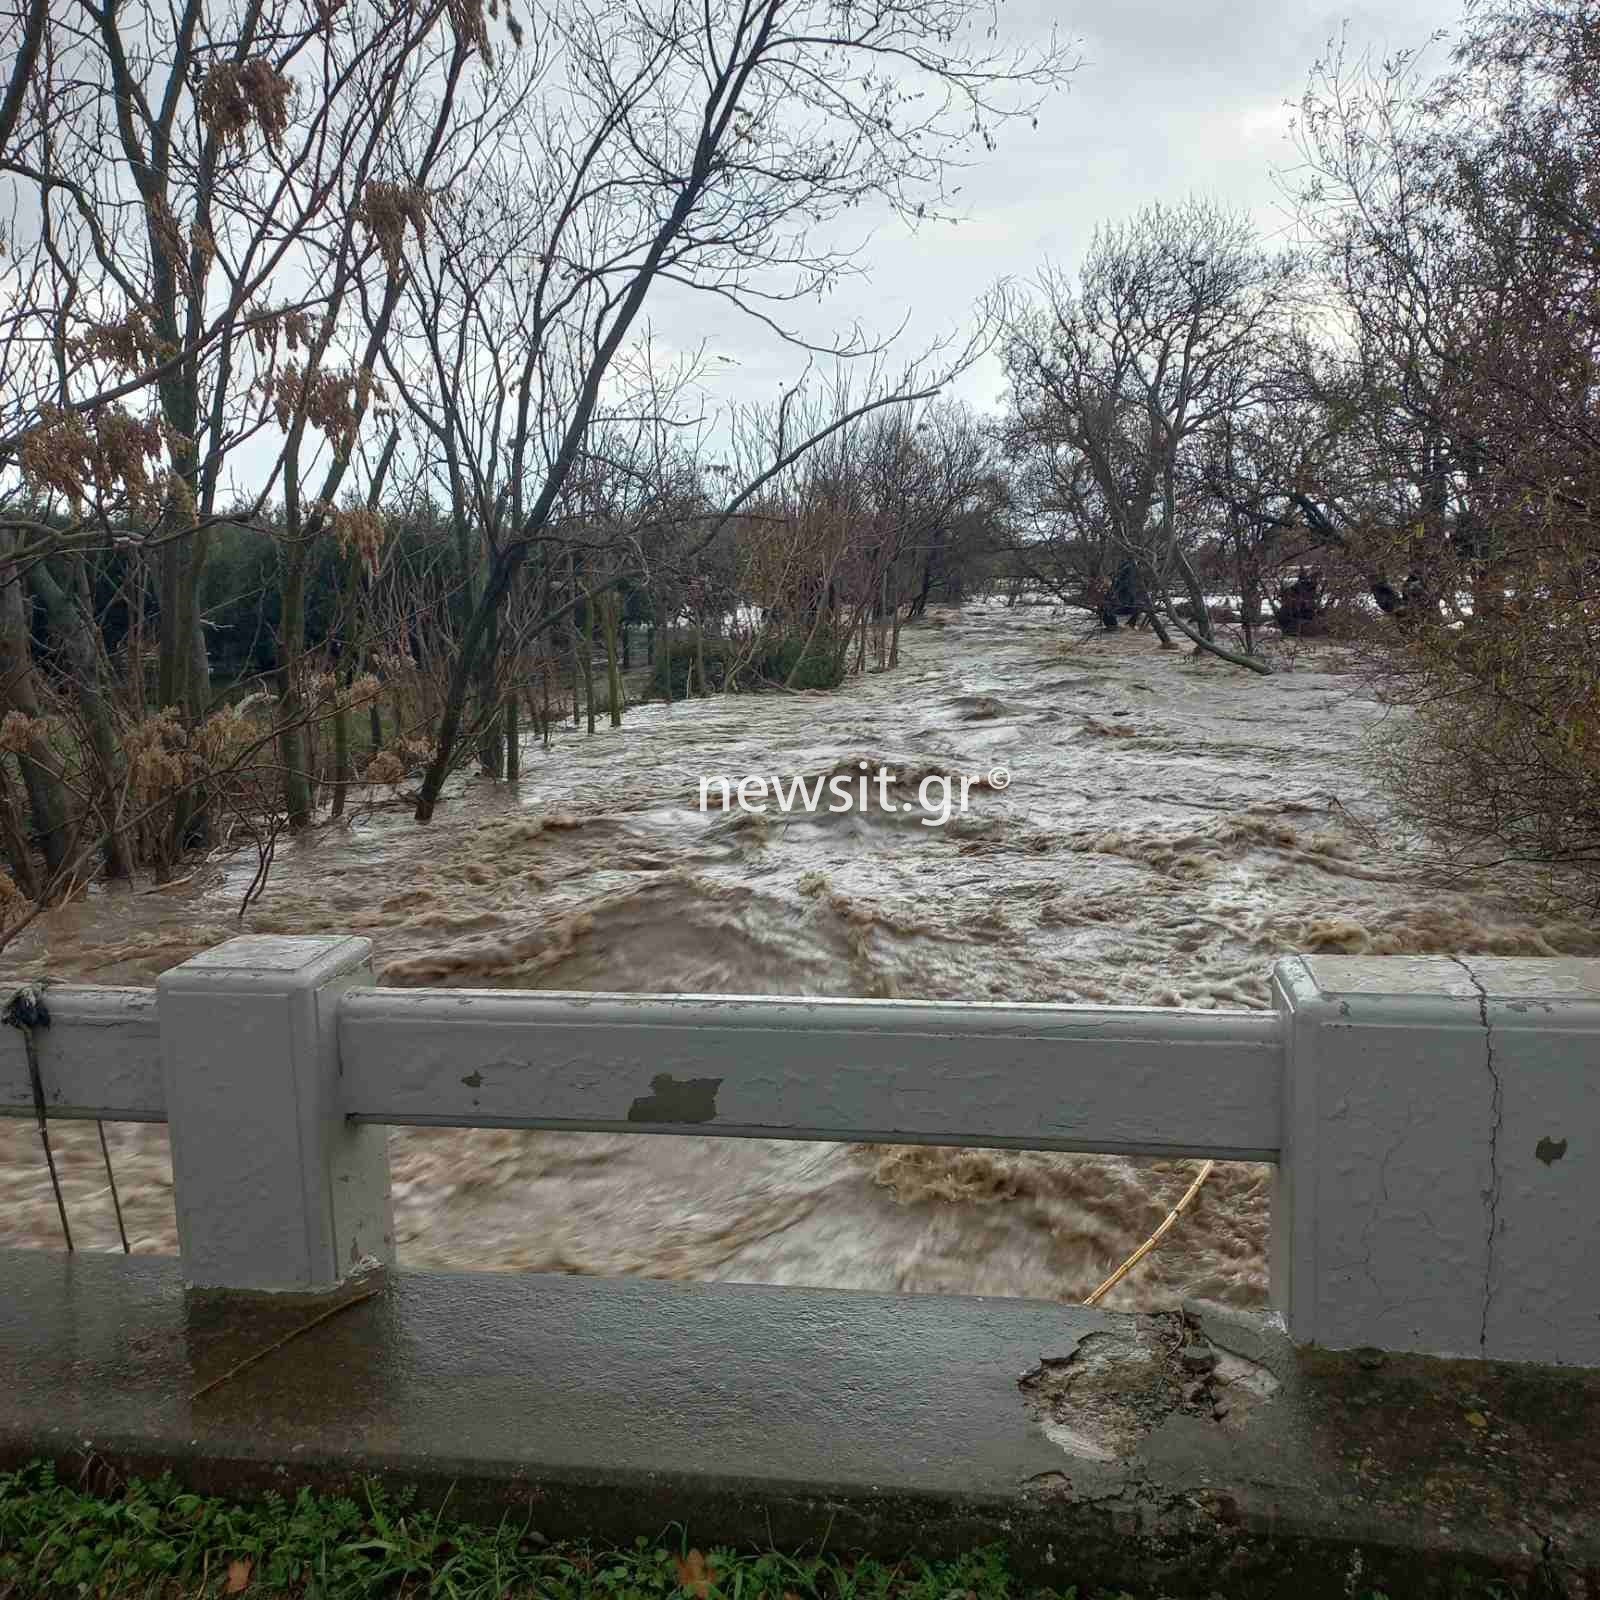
(1174, 97)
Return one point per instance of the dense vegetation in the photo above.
(331, 449)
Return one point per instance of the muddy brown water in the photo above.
(1171, 827)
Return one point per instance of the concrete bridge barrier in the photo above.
(1423, 1401)
(1434, 1123)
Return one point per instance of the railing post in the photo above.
(275, 1190)
(1440, 1148)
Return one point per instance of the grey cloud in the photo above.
(1172, 99)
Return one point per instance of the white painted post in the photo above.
(275, 1189)
(1441, 1147)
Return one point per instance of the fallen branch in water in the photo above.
(171, 883)
(1154, 1239)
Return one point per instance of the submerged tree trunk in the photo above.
(134, 686)
(42, 776)
(1211, 647)
(1197, 595)
(491, 744)
(576, 668)
(169, 678)
(588, 661)
(183, 670)
(1249, 611)
(513, 735)
(341, 756)
(352, 628)
(608, 622)
(79, 641)
(14, 841)
(292, 746)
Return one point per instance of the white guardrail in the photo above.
(1434, 1124)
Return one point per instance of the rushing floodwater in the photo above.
(1172, 825)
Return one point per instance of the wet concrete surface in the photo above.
(1180, 1453)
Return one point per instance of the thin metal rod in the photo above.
(111, 1178)
(44, 1138)
(25, 1012)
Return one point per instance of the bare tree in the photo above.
(1454, 214)
(1124, 368)
(707, 151)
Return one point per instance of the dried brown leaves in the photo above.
(387, 209)
(332, 400)
(107, 453)
(362, 531)
(238, 96)
(129, 345)
(19, 732)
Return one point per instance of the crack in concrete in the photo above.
(1369, 1229)
(1497, 1120)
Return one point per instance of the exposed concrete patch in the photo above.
(1550, 1151)
(1237, 1388)
(1100, 1401)
(1241, 1377)
(677, 1100)
(1118, 1386)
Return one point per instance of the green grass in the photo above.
(156, 1540)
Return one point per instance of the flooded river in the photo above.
(1170, 826)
